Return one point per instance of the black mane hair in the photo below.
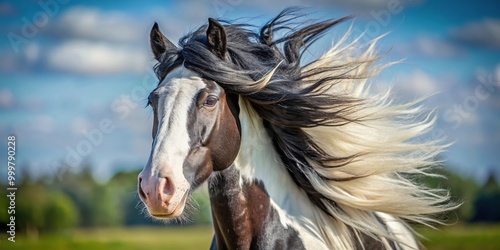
(290, 101)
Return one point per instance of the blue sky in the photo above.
(74, 75)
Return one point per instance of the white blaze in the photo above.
(176, 92)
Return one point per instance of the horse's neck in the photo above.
(256, 193)
(255, 202)
(258, 160)
(232, 222)
(244, 217)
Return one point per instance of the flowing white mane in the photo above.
(387, 141)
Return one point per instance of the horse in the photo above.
(296, 155)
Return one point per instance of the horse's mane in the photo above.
(353, 153)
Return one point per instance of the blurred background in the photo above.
(75, 75)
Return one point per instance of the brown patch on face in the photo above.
(214, 133)
(198, 164)
(223, 138)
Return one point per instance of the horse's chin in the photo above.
(177, 212)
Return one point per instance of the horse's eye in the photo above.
(150, 103)
(211, 101)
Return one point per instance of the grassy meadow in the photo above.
(137, 238)
(456, 237)
(485, 236)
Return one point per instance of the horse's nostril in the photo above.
(141, 192)
(166, 189)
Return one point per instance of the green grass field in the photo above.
(120, 238)
(463, 237)
(456, 237)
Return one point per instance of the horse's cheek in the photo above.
(198, 165)
(228, 145)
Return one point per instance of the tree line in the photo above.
(77, 200)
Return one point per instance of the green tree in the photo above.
(4, 203)
(105, 207)
(462, 190)
(60, 212)
(487, 203)
(30, 204)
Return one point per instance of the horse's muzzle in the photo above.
(161, 197)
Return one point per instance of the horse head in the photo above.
(195, 130)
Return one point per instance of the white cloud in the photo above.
(9, 62)
(43, 124)
(429, 46)
(472, 119)
(417, 83)
(92, 23)
(485, 33)
(6, 98)
(357, 5)
(100, 42)
(496, 76)
(435, 47)
(369, 4)
(489, 77)
(88, 57)
(32, 52)
(79, 124)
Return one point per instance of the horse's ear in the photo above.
(159, 43)
(216, 38)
